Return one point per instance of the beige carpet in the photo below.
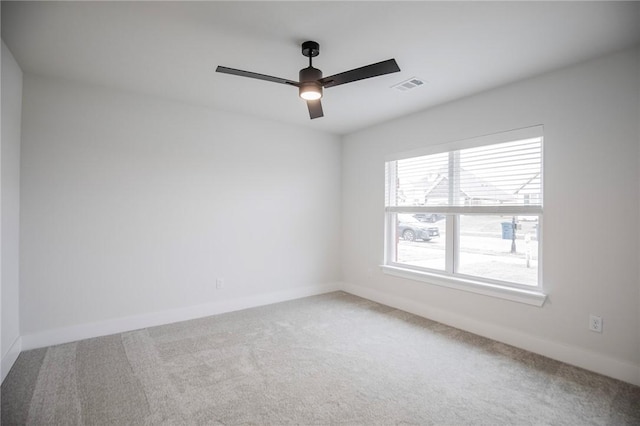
(330, 359)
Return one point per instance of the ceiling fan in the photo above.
(311, 81)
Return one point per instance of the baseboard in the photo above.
(121, 325)
(10, 357)
(573, 355)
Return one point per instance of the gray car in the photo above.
(411, 229)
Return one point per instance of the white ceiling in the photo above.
(171, 49)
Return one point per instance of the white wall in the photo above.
(591, 210)
(133, 206)
(10, 154)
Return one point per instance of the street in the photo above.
(482, 252)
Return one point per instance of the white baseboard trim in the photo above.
(573, 355)
(121, 325)
(10, 357)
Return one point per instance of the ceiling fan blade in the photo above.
(315, 109)
(250, 74)
(381, 68)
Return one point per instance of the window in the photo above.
(469, 215)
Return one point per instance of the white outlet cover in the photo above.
(595, 323)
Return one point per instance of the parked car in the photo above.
(429, 217)
(411, 229)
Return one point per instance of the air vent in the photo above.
(409, 84)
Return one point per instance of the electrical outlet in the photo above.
(219, 283)
(595, 323)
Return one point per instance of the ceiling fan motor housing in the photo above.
(309, 81)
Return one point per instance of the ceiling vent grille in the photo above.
(409, 84)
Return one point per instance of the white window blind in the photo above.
(505, 176)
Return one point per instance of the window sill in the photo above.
(529, 297)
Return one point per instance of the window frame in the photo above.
(529, 294)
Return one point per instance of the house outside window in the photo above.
(468, 215)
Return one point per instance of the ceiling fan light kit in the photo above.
(310, 91)
(311, 81)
